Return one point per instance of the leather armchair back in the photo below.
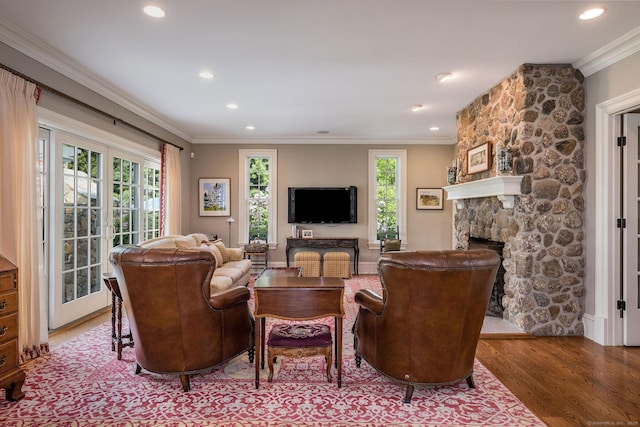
(177, 326)
(425, 327)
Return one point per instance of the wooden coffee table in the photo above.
(281, 294)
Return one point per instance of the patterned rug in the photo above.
(81, 383)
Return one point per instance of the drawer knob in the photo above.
(3, 360)
(3, 331)
(3, 305)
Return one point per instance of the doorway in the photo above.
(629, 303)
(605, 326)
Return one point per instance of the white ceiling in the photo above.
(296, 67)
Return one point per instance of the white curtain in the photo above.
(21, 218)
(171, 196)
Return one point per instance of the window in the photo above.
(151, 202)
(257, 216)
(387, 194)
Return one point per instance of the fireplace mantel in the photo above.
(504, 187)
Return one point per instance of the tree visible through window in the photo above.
(387, 213)
(258, 198)
(151, 200)
(386, 196)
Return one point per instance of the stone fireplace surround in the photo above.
(536, 112)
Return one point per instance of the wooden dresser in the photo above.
(11, 376)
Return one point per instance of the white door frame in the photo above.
(606, 326)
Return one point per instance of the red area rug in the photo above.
(81, 383)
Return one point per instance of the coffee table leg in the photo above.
(258, 349)
(263, 322)
(339, 349)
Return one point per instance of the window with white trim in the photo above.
(387, 194)
(257, 216)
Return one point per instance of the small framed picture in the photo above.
(307, 234)
(214, 196)
(429, 198)
(479, 158)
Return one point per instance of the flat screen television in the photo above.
(323, 205)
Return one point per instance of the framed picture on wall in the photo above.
(479, 158)
(429, 198)
(214, 196)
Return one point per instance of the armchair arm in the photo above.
(230, 297)
(370, 300)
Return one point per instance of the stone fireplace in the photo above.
(537, 113)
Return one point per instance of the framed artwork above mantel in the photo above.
(479, 158)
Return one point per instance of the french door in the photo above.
(629, 290)
(95, 204)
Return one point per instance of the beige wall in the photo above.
(609, 83)
(330, 165)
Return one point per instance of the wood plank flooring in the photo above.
(564, 381)
(568, 381)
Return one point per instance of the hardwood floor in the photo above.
(568, 381)
(564, 381)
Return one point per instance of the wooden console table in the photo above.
(326, 243)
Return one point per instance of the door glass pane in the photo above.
(126, 205)
(82, 226)
(151, 203)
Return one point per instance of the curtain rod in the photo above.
(87, 106)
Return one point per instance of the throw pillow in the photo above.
(215, 251)
(223, 250)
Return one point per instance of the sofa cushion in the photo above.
(199, 238)
(234, 272)
(220, 283)
(215, 251)
(186, 242)
(229, 254)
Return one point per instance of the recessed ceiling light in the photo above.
(232, 106)
(206, 74)
(250, 127)
(592, 13)
(434, 128)
(154, 11)
(443, 77)
(416, 107)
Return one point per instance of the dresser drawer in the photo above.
(8, 355)
(8, 327)
(7, 282)
(8, 303)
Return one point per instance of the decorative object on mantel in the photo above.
(503, 187)
(307, 234)
(504, 160)
(452, 175)
(479, 158)
(429, 198)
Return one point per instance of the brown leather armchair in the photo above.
(425, 327)
(177, 325)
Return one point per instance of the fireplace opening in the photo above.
(495, 302)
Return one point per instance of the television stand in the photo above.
(326, 243)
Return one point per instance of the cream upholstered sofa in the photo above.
(231, 269)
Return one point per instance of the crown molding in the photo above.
(609, 54)
(324, 140)
(52, 58)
